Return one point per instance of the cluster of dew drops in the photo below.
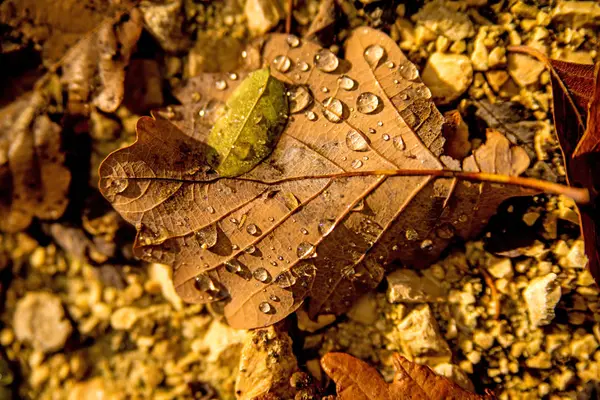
(299, 99)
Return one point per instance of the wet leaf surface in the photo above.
(357, 380)
(315, 220)
(576, 101)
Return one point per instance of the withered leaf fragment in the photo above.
(317, 219)
(255, 115)
(576, 92)
(357, 380)
(33, 180)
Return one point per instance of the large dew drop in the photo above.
(265, 307)
(373, 55)
(285, 280)
(207, 236)
(367, 103)
(356, 141)
(282, 63)
(253, 230)
(334, 109)
(305, 250)
(299, 98)
(409, 71)
(356, 164)
(292, 41)
(261, 275)
(221, 84)
(399, 143)
(346, 82)
(205, 283)
(326, 61)
(326, 226)
(119, 185)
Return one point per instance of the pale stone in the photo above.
(39, 319)
(92, 389)
(524, 69)
(219, 338)
(539, 361)
(583, 347)
(267, 362)
(163, 274)
(455, 374)
(479, 57)
(577, 13)
(364, 310)
(308, 325)
(497, 57)
(576, 257)
(447, 76)
(406, 286)
(420, 335)
(124, 318)
(502, 268)
(541, 296)
(442, 20)
(496, 79)
(262, 15)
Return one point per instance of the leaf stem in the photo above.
(288, 18)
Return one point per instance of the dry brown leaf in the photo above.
(319, 218)
(33, 180)
(576, 92)
(357, 380)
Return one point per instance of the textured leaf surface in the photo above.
(314, 220)
(255, 115)
(357, 380)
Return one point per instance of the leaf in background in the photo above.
(33, 179)
(255, 116)
(357, 380)
(317, 219)
(575, 91)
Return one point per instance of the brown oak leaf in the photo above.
(576, 108)
(357, 380)
(348, 190)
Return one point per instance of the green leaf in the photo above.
(255, 116)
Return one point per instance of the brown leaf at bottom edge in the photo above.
(357, 380)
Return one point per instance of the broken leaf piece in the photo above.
(317, 219)
(255, 116)
(357, 380)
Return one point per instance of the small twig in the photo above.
(288, 19)
(494, 292)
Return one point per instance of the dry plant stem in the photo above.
(494, 292)
(288, 18)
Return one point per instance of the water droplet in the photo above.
(207, 236)
(423, 91)
(292, 41)
(324, 90)
(326, 61)
(304, 231)
(305, 250)
(391, 65)
(243, 150)
(261, 275)
(379, 123)
(463, 218)
(409, 71)
(359, 206)
(372, 131)
(233, 76)
(244, 54)
(274, 298)
(253, 230)
(311, 116)
(282, 63)
(265, 307)
(426, 245)
(285, 280)
(334, 109)
(119, 185)
(373, 55)
(210, 210)
(233, 266)
(399, 143)
(411, 234)
(205, 283)
(386, 137)
(367, 103)
(346, 82)
(250, 249)
(303, 66)
(445, 231)
(356, 141)
(299, 98)
(326, 226)
(356, 164)
(221, 84)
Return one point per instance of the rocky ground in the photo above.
(514, 311)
